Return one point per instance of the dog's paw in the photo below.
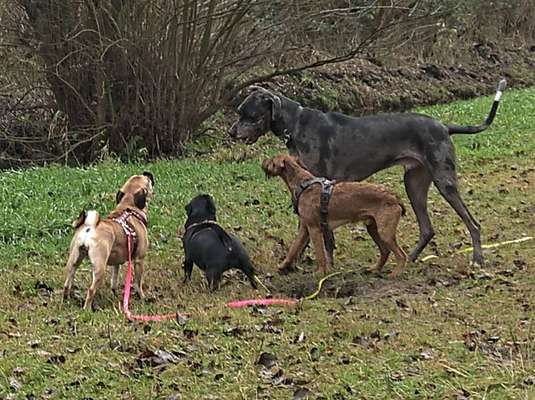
(476, 264)
(285, 269)
(372, 270)
(395, 273)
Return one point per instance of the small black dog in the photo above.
(208, 245)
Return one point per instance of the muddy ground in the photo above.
(365, 85)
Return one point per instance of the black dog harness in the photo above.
(129, 231)
(325, 196)
(200, 226)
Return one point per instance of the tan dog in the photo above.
(377, 207)
(105, 241)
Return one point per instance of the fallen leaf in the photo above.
(300, 338)
(233, 331)
(268, 360)
(315, 354)
(56, 359)
(402, 304)
(39, 285)
(157, 358)
(302, 393)
(15, 384)
(361, 341)
(529, 381)
(427, 354)
(375, 335)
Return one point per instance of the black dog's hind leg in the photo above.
(188, 268)
(214, 279)
(446, 182)
(417, 182)
(247, 268)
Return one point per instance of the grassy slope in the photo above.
(430, 334)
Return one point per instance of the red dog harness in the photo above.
(122, 220)
(129, 231)
(131, 236)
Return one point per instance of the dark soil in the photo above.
(365, 86)
(421, 279)
(358, 283)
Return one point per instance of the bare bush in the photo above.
(137, 74)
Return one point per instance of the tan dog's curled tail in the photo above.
(91, 219)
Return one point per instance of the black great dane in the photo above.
(337, 146)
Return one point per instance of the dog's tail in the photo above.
(400, 204)
(403, 209)
(452, 129)
(90, 219)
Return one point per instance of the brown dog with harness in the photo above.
(105, 240)
(323, 206)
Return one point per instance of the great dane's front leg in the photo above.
(297, 247)
(417, 182)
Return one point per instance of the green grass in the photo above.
(431, 334)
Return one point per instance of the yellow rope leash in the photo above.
(485, 246)
(320, 284)
(261, 284)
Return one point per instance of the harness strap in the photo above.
(325, 196)
(139, 215)
(304, 186)
(129, 231)
(328, 236)
(200, 226)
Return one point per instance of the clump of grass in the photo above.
(431, 334)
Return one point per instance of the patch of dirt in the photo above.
(423, 278)
(366, 85)
(357, 283)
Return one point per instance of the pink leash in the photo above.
(176, 315)
(126, 297)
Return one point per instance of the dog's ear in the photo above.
(300, 163)
(140, 199)
(118, 197)
(188, 209)
(150, 176)
(210, 206)
(276, 107)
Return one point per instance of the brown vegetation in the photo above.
(88, 77)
